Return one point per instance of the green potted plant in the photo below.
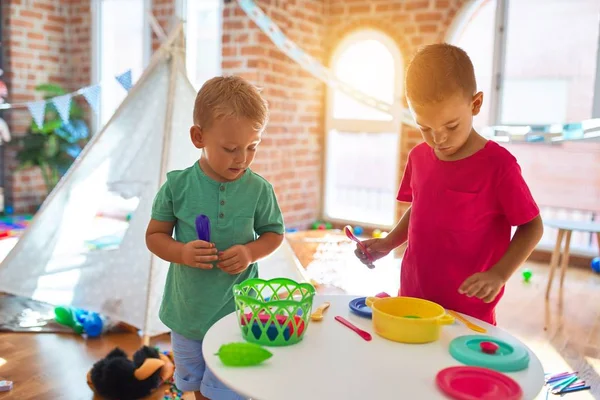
(54, 146)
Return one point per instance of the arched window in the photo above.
(362, 143)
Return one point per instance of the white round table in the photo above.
(333, 362)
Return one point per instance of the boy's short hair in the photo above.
(437, 72)
(230, 97)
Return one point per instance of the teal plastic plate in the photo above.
(509, 357)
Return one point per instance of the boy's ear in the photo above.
(197, 137)
(477, 103)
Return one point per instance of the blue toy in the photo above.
(596, 265)
(358, 230)
(81, 321)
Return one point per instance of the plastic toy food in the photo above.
(241, 354)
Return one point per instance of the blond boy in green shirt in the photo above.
(245, 220)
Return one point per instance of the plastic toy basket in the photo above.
(273, 312)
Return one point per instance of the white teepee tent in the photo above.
(146, 137)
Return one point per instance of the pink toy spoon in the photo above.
(363, 334)
(348, 232)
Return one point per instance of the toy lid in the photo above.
(475, 383)
(359, 307)
(489, 352)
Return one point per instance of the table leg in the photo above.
(554, 260)
(565, 258)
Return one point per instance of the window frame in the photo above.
(501, 26)
(362, 126)
(96, 38)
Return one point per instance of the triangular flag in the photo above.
(125, 80)
(63, 106)
(37, 109)
(92, 96)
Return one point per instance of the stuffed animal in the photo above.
(117, 377)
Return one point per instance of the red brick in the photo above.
(253, 51)
(30, 14)
(42, 5)
(22, 23)
(35, 35)
(54, 28)
(359, 8)
(429, 16)
(427, 28)
(411, 5)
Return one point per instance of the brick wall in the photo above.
(291, 153)
(44, 41)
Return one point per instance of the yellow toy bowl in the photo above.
(408, 319)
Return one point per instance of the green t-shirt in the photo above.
(239, 211)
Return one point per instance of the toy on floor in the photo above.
(358, 230)
(173, 393)
(489, 352)
(595, 264)
(321, 225)
(6, 386)
(80, 321)
(243, 354)
(527, 275)
(116, 377)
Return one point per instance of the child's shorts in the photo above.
(191, 374)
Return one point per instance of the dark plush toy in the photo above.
(117, 378)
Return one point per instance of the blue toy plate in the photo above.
(359, 307)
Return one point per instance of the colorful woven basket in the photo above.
(273, 312)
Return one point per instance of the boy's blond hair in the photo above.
(230, 97)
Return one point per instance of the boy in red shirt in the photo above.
(465, 192)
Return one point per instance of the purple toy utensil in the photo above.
(203, 227)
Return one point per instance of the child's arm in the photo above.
(521, 246)
(486, 285)
(159, 239)
(266, 244)
(379, 248)
(399, 235)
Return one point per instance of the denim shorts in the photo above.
(191, 374)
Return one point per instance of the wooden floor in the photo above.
(565, 336)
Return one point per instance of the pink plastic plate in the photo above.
(476, 383)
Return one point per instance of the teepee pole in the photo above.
(174, 69)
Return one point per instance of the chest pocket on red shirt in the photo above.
(458, 210)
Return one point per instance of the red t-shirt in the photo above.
(460, 222)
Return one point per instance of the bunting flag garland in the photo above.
(37, 109)
(62, 103)
(92, 96)
(63, 106)
(125, 80)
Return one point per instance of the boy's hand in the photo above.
(377, 248)
(483, 285)
(235, 259)
(199, 254)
